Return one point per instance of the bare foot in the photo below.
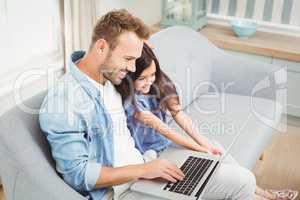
(266, 194)
(284, 194)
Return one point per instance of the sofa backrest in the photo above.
(185, 56)
(21, 142)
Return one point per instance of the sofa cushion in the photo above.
(223, 116)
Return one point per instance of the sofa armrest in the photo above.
(40, 181)
(244, 76)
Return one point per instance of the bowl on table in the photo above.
(243, 28)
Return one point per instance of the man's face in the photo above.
(121, 60)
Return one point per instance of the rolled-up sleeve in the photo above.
(69, 146)
(91, 175)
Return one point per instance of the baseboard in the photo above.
(293, 110)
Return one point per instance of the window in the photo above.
(30, 35)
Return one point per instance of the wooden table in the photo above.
(262, 43)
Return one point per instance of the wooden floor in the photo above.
(281, 165)
(1, 194)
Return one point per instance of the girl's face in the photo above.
(146, 79)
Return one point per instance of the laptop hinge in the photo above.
(206, 181)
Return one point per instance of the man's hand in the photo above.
(161, 168)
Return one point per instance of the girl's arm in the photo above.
(149, 119)
(186, 123)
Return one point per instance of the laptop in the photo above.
(198, 168)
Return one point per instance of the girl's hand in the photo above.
(203, 149)
(215, 150)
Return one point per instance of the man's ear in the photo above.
(101, 46)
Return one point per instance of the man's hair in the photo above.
(114, 23)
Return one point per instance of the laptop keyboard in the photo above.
(194, 169)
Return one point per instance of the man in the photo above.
(85, 125)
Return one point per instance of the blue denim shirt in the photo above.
(145, 138)
(77, 127)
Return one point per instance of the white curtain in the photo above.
(79, 17)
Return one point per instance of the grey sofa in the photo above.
(28, 171)
(222, 90)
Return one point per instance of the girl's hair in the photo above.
(162, 89)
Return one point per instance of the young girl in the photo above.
(148, 95)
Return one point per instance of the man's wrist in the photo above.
(139, 171)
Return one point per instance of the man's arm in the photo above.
(69, 146)
(155, 169)
(70, 149)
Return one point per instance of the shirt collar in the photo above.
(85, 83)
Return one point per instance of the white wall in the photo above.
(147, 10)
(107, 5)
(31, 84)
(37, 50)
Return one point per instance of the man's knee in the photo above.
(231, 182)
